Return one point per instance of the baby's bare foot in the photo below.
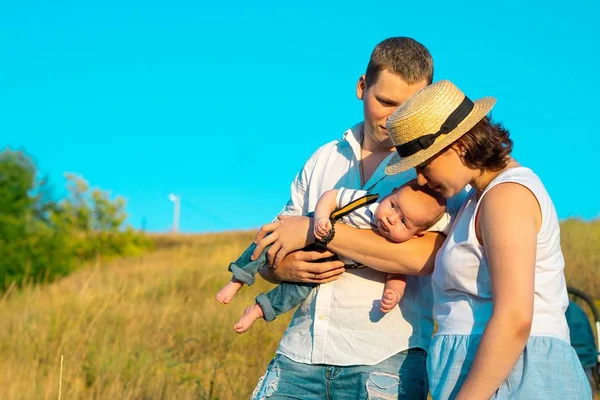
(226, 294)
(251, 314)
(389, 300)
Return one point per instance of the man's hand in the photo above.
(303, 266)
(286, 235)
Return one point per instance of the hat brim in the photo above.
(481, 108)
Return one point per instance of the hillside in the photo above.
(149, 327)
(138, 328)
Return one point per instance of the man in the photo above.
(339, 345)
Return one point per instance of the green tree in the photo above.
(97, 222)
(41, 238)
(31, 247)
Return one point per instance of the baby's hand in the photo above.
(322, 226)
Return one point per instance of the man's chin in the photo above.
(446, 193)
(381, 139)
(386, 143)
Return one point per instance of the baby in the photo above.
(407, 212)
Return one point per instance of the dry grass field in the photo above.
(149, 327)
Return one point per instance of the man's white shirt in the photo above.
(340, 323)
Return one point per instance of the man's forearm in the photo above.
(413, 257)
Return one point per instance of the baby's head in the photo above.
(409, 211)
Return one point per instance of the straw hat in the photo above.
(430, 121)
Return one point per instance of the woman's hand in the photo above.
(286, 235)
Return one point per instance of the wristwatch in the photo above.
(321, 244)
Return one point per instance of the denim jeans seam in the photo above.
(425, 379)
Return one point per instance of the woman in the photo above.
(498, 282)
(499, 287)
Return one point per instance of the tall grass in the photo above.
(581, 247)
(149, 327)
(142, 328)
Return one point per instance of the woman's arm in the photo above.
(413, 257)
(509, 220)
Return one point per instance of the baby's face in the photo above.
(399, 216)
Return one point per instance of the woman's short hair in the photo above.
(487, 145)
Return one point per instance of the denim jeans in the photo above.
(278, 300)
(283, 298)
(402, 376)
(244, 269)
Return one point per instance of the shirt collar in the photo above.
(354, 138)
(371, 212)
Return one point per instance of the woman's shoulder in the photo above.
(521, 178)
(514, 194)
(518, 174)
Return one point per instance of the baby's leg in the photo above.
(251, 314)
(243, 273)
(225, 295)
(281, 299)
(393, 292)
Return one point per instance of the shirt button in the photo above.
(321, 317)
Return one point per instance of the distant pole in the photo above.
(176, 211)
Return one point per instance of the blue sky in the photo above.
(223, 102)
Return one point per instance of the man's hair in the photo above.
(487, 145)
(402, 56)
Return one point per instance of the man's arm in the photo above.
(413, 257)
(301, 266)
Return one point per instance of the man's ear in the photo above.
(361, 87)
